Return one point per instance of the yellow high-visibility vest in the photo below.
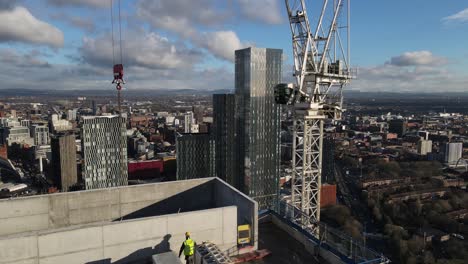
(189, 248)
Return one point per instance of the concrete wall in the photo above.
(247, 208)
(120, 242)
(65, 209)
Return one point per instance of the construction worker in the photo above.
(188, 247)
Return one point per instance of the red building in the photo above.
(3, 151)
(145, 169)
(327, 195)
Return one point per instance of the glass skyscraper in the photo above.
(104, 147)
(257, 72)
(195, 155)
(224, 134)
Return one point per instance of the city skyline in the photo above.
(66, 44)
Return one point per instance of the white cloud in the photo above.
(140, 49)
(87, 3)
(20, 25)
(461, 16)
(26, 60)
(411, 72)
(184, 17)
(417, 58)
(221, 44)
(267, 11)
(181, 16)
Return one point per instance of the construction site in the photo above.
(137, 223)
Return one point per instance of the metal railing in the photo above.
(330, 238)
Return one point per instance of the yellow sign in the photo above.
(243, 234)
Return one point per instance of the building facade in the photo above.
(64, 161)
(195, 154)
(17, 134)
(224, 134)
(188, 121)
(257, 72)
(328, 162)
(40, 134)
(453, 152)
(397, 126)
(104, 147)
(424, 147)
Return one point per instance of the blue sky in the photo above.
(407, 46)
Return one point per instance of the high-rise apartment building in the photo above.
(104, 147)
(40, 133)
(328, 160)
(453, 152)
(188, 121)
(195, 154)
(257, 72)
(224, 134)
(71, 114)
(63, 148)
(424, 147)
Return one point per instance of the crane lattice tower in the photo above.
(322, 68)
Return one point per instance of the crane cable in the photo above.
(112, 34)
(120, 36)
(120, 32)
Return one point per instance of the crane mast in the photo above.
(321, 69)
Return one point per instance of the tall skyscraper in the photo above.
(257, 72)
(104, 147)
(224, 134)
(63, 148)
(195, 153)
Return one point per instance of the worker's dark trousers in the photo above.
(189, 260)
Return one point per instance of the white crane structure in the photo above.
(321, 48)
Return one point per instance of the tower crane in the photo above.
(321, 50)
(117, 61)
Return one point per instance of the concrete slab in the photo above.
(23, 207)
(95, 198)
(81, 257)
(24, 224)
(67, 241)
(18, 249)
(229, 224)
(26, 261)
(58, 211)
(133, 251)
(94, 214)
(135, 231)
(142, 193)
(128, 208)
(212, 235)
(177, 223)
(166, 258)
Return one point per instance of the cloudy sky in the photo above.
(398, 45)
